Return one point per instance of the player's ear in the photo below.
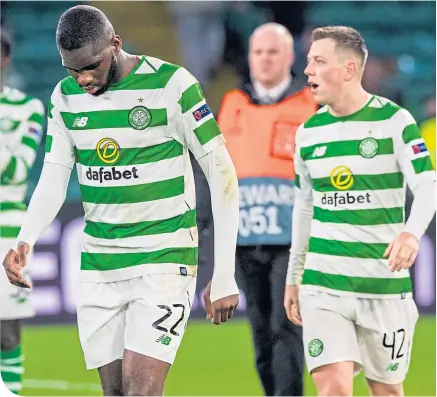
(351, 69)
(116, 44)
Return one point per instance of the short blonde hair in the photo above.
(345, 37)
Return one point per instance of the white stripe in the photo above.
(384, 163)
(354, 233)
(145, 68)
(354, 267)
(9, 361)
(12, 370)
(114, 100)
(419, 155)
(51, 384)
(12, 193)
(4, 161)
(181, 238)
(351, 130)
(125, 137)
(386, 198)
(12, 218)
(13, 386)
(146, 173)
(109, 276)
(28, 154)
(136, 212)
(306, 288)
(180, 81)
(155, 62)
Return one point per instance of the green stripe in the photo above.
(8, 101)
(9, 231)
(13, 353)
(379, 216)
(147, 228)
(367, 113)
(9, 171)
(207, 131)
(11, 206)
(364, 182)
(133, 194)
(111, 119)
(422, 164)
(297, 181)
(102, 262)
(10, 377)
(364, 285)
(132, 156)
(190, 97)
(140, 81)
(410, 133)
(29, 142)
(346, 248)
(49, 109)
(344, 148)
(36, 118)
(49, 143)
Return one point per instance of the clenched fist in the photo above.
(14, 262)
(220, 310)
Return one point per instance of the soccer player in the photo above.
(351, 246)
(128, 122)
(21, 126)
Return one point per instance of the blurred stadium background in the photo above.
(210, 39)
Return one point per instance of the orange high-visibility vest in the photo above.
(261, 140)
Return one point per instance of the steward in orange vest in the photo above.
(260, 139)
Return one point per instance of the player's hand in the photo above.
(291, 304)
(402, 252)
(220, 310)
(14, 263)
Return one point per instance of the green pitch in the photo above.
(214, 361)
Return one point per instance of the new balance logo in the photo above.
(319, 151)
(163, 339)
(392, 367)
(80, 122)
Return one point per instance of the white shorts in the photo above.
(15, 302)
(376, 334)
(147, 315)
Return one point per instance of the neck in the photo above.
(127, 63)
(270, 85)
(349, 103)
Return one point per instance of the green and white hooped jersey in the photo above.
(356, 169)
(130, 146)
(21, 129)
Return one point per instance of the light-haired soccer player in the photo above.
(352, 248)
(129, 122)
(21, 126)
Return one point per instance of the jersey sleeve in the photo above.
(18, 159)
(59, 148)
(304, 185)
(411, 152)
(194, 123)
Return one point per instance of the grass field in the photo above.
(212, 361)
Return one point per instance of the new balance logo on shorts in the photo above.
(392, 367)
(163, 339)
